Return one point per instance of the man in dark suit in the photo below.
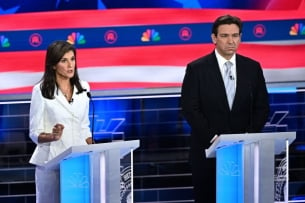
(205, 103)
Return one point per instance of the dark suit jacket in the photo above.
(204, 102)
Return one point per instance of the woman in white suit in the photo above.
(59, 116)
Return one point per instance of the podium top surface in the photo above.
(124, 146)
(226, 140)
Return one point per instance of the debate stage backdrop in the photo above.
(124, 46)
(144, 44)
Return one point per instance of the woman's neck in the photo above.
(66, 88)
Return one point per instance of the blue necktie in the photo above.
(229, 81)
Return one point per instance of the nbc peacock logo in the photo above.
(297, 29)
(76, 38)
(150, 35)
(4, 41)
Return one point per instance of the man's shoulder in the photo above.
(245, 59)
(203, 59)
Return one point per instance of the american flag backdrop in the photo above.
(144, 48)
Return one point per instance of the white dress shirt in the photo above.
(221, 63)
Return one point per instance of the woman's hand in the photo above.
(57, 131)
(54, 136)
(89, 140)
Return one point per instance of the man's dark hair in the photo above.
(226, 20)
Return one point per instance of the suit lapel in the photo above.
(218, 81)
(241, 83)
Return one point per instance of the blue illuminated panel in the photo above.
(75, 180)
(229, 174)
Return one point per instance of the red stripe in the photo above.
(119, 17)
(285, 5)
(270, 56)
(276, 56)
(16, 90)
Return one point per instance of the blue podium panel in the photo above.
(229, 173)
(75, 180)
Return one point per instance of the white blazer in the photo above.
(45, 113)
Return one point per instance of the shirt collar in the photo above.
(221, 60)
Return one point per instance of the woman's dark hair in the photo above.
(55, 52)
(226, 20)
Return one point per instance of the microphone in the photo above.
(231, 77)
(89, 95)
(92, 124)
(71, 101)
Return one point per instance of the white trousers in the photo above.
(47, 185)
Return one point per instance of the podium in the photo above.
(245, 165)
(92, 173)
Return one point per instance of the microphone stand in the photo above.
(92, 125)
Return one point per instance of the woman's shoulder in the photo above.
(85, 85)
(37, 86)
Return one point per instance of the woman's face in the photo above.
(65, 68)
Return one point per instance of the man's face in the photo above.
(227, 40)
